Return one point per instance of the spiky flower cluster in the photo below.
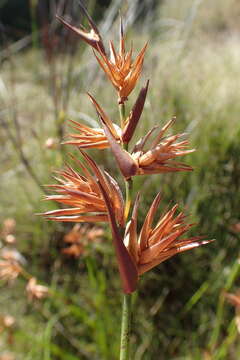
(92, 195)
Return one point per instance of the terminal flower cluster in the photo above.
(92, 195)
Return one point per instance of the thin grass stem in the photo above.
(126, 326)
(122, 115)
(127, 298)
(220, 307)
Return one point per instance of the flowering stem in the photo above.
(127, 298)
(129, 182)
(126, 325)
(122, 114)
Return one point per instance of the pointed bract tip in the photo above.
(91, 97)
(135, 115)
(90, 20)
(121, 25)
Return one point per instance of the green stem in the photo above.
(126, 327)
(122, 115)
(234, 273)
(127, 298)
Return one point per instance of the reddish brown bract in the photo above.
(158, 159)
(92, 37)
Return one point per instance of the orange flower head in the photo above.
(36, 291)
(158, 243)
(74, 250)
(9, 270)
(121, 70)
(90, 138)
(87, 137)
(82, 193)
(94, 234)
(158, 159)
(94, 138)
(79, 237)
(137, 254)
(82, 233)
(75, 235)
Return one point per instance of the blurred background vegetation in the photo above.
(192, 62)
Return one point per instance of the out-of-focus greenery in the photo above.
(180, 313)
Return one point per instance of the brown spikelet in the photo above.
(120, 69)
(163, 151)
(157, 244)
(81, 193)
